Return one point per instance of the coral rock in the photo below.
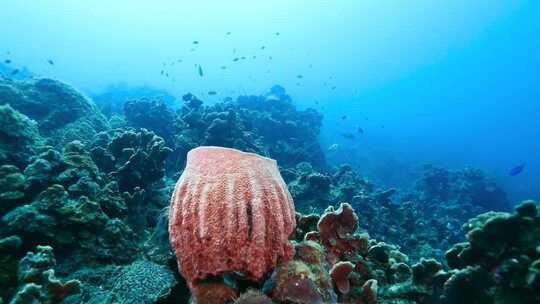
(253, 297)
(337, 233)
(230, 211)
(340, 275)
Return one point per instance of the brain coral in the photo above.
(230, 211)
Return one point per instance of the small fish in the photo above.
(179, 60)
(50, 61)
(344, 117)
(517, 170)
(195, 42)
(200, 71)
(254, 57)
(270, 57)
(243, 57)
(382, 126)
(360, 130)
(223, 67)
(7, 61)
(333, 147)
(334, 87)
(212, 92)
(14, 72)
(227, 33)
(162, 72)
(299, 76)
(236, 59)
(347, 135)
(277, 34)
(263, 47)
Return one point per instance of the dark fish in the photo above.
(14, 72)
(200, 71)
(517, 170)
(254, 57)
(223, 67)
(299, 76)
(277, 34)
(50, 61)
(228, 33)
(212, 92)
(263, 47)
(7, 61)
(195, 42)
(270, 58)
(347, 135)
(360, 130)
(243, 57)
(344, 117)
(162, 72)
(334, 87)
(382, 126)
(236, 59)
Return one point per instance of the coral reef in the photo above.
(111, 100)
(99, 196)
(38, 281)
(18, 137)
(63, 114)
(230, 211)
(133, 158)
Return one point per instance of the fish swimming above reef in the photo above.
(348, 135)
(360, 130)
(200, 71)
(14, 72)
(212, 92)
(344, 117)
(195, 42)
(299, 76)
(333, 147)
(49, 61)
(236, 59)
(7, 61)
(517, 170)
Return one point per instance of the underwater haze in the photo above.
(452, 82)
(398, 128)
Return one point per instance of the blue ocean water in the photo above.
(453, 83)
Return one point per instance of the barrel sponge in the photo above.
(230, 212)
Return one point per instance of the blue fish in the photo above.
(200, 71)
(517, 170)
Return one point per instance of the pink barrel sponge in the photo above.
(230, 211)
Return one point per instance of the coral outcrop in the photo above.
(63, 114)
(19, 137)
(38, 281)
